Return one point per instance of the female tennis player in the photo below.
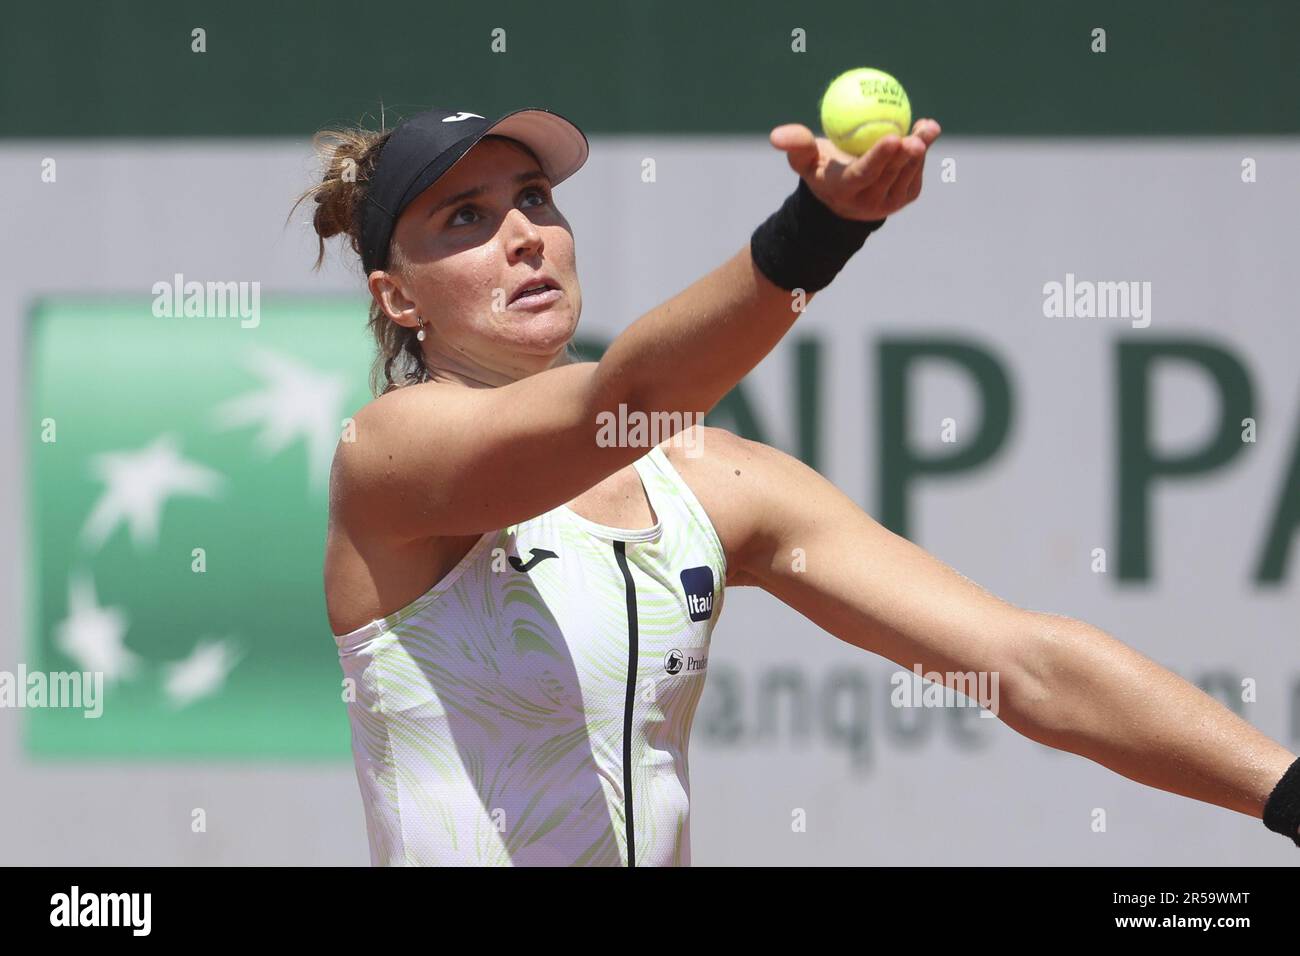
(523, 608)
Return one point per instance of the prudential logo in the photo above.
(102, 909)
(675, 662)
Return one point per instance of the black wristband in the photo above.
(1282, 809)
(804, 245)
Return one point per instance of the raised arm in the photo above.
(1061, 682)
(434, 460)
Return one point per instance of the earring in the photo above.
(419, 336)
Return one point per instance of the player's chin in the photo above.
(541, 332)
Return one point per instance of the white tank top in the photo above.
(535, 705)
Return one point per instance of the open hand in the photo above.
(872, 186)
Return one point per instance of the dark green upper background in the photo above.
(988, 67)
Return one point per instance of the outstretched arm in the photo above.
(429, 461)
(1062, 682)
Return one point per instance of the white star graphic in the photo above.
(201, 674)
(297, 401)
(139, 484)
(92, 635)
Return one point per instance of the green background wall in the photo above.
(999, 67)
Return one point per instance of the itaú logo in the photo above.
(697, 586)
(675, 662)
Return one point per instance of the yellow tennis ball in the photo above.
(860, 106)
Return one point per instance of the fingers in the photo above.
(885, 178)
(907, 185)
(799, 145)
(927, 130)
(899, 179)
(877, 162)
(788, 135)
(874, 173)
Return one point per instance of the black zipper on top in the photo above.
(620, 555)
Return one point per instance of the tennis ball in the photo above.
(860, 106)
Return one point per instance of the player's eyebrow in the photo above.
(532, 175)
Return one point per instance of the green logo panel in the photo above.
(175, 524)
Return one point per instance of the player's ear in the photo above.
(387, 290)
